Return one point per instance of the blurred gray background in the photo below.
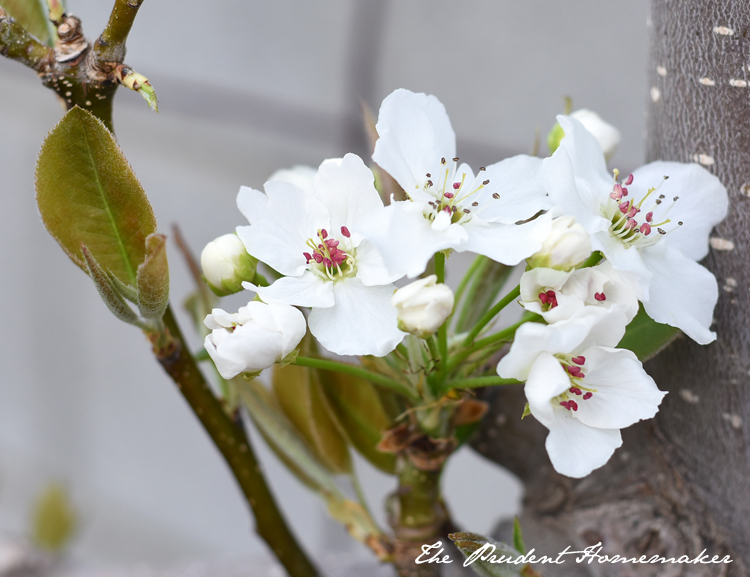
(246, 88)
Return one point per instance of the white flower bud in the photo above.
(226, 264)
(567, 246)
(423, 306)
(606, 134)
(253, 338)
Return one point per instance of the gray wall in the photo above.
(246, 88)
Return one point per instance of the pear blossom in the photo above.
(226, 264)
(423, 306)
(254, 338)
(310, 237)
(558, 295)
(651, 226)
(449, 206)
(566, 247)
(606, 135)
(579, 387)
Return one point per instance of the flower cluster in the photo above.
(594, 245)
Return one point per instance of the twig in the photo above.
(17, 44)
(110, 46)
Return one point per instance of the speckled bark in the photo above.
(680, 483)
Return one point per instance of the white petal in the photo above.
(576, 449)
(252, 204)
(371, 269)
(346, 186)
(624, 395)
(406, 239)
(627, 262)
(299, 175)
(702, 203)
(291, 217)
(507, 243)
(362, 322)
(308, 290)
(415, 133)
(682, 294)
(547, 379)
(519, 182)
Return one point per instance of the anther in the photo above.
(631, 223)
(467, 211)
(455, 159)
(442, 161)
(345, 232)
(308, 256)
(601, 297)
(679, 223)
(629, 180)
(587, 396)
(581, 360)
(645, 228)
(448, 195)
(475, 204)
(661, 231)
(624, 206)
(495, 195)
(482, 169)
(429, 183)
(486, 182)
(456, 185)
(575, 390)
(649, 216)
(624, 191)
(428, 175)
(323, 233)
(676, 198)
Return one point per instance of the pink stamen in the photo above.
(629, 180)
(649, 216)
(317, 257)
(575, 371)
(332, 243)
(345, 232)
(579, 360)
(308, 256)
(328, 262)
(323, 233)
(631, 224)
(616, 193)
(624, 206)
(587, 396)
(456, 185)
(646, 228)
(570, 405)
(543, 298)
(576, 391)
(448, 195)
(633, 211)
(601, 297)
(448, 210)
(624, 191)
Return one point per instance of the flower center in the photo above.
(452, 202)
(632, 223)
(331, 258)
(548, 300)
(577, 392)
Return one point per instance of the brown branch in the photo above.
(231, 440)
(17, 44)
(110, 46)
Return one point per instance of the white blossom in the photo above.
(652, 226)
(254, 338)
(579, 387)
(448, 206)
(423, 306)
(606, 135)
(311, 239)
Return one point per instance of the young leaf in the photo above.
(518, 536)
(115, 303)
(54, 520)
(87, 193)
(32, 15)
(359, 410)
(153, 278)
(645, 337)
(485, 549)
(299, 395)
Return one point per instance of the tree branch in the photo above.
(236, 449)
(110, 46)
(17, 44)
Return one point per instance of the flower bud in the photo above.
(567, 246)
(423, 306)
(253, 338)
(226, 264)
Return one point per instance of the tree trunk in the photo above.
(681, 482)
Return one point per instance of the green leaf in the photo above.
(54, 521)
(115, 303)
(32, 15)
(518, 536)
(645, 337)
(299, 394)
(484, 286)
(360, 412)
(153, 278)
(472, 543)
(87, 193)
